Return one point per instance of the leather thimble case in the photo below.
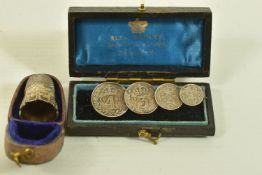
(35, 131)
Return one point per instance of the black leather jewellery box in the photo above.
(127, 45)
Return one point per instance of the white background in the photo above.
(33, 39)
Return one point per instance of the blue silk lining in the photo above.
(33, 132)
(173, 41)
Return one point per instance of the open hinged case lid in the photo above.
(134, 42)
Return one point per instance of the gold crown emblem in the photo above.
(138, 26)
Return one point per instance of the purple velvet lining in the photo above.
(33, 133)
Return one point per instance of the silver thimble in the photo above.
(39, 103)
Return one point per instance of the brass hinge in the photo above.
(142, 8)
(140, 79)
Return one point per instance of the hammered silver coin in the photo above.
(167, 96)
(191, 94)
(139, 98)
(108, 99)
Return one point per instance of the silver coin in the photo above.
(191, 94)
(167, 96)
(139, 98)
(108, 99)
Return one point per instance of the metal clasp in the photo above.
(148, 135)
(26, 155)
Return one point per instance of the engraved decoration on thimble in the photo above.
(39, 102)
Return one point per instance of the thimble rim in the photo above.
(28, 106)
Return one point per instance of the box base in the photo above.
(83, 120)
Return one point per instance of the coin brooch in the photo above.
(191, 94)
(139, 98)
(108, 99)
(167, 96)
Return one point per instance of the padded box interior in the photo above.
(170, 41)
(33, 132)
(83, 112)
(176, 40)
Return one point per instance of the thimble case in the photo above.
(34, 142)
(127, 45)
